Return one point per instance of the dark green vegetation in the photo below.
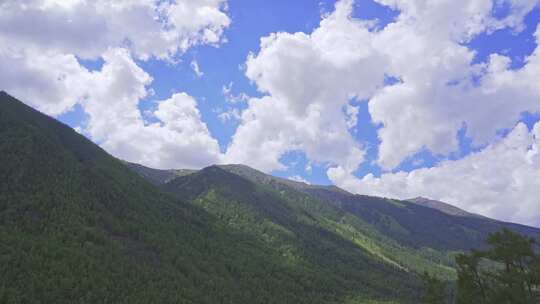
(408, 235)
(79, 226)
(508, 272)
(436, 291)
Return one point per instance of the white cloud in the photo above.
(226, 90)
(437, 95)
(196, 69)
(178, 140)
(351, 115)
(52, 83)
(307, 80)
(501, 181)
(298, 178)
(41, 42)
(229, 115)
(88, 28)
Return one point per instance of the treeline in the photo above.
(508, 272)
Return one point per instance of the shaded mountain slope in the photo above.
(407, 235)
(77, 225)
(442, 206)
(421, 226)
(301, 228)
(417, 222)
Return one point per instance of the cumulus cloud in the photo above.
(437, 94)
(42, 41)
(50, 82)
(178, 140)
(307, 80)
(501, 181)
(88, 28)
(310, 79)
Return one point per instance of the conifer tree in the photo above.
(507, 273)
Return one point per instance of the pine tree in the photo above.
(507, 273)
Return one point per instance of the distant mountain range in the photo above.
(80, 226)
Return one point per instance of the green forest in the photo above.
(80, 226)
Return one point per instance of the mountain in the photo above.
(78, 225)
(413, 236)
(420, 217)
(157, 176)
(305, 230)
(443, 207)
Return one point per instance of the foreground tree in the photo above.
(507, 273)
(435, 290)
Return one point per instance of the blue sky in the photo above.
(396, 98)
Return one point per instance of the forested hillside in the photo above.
(413, 236)
(76, 225)
(79, 226)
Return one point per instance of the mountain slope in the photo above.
(442, 206)
(419, 217)
(408, 235)
(420, 226)
(301, 228)
(157, 176)
(77, 225)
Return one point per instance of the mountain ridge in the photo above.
(274, 181)
(443, 207)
